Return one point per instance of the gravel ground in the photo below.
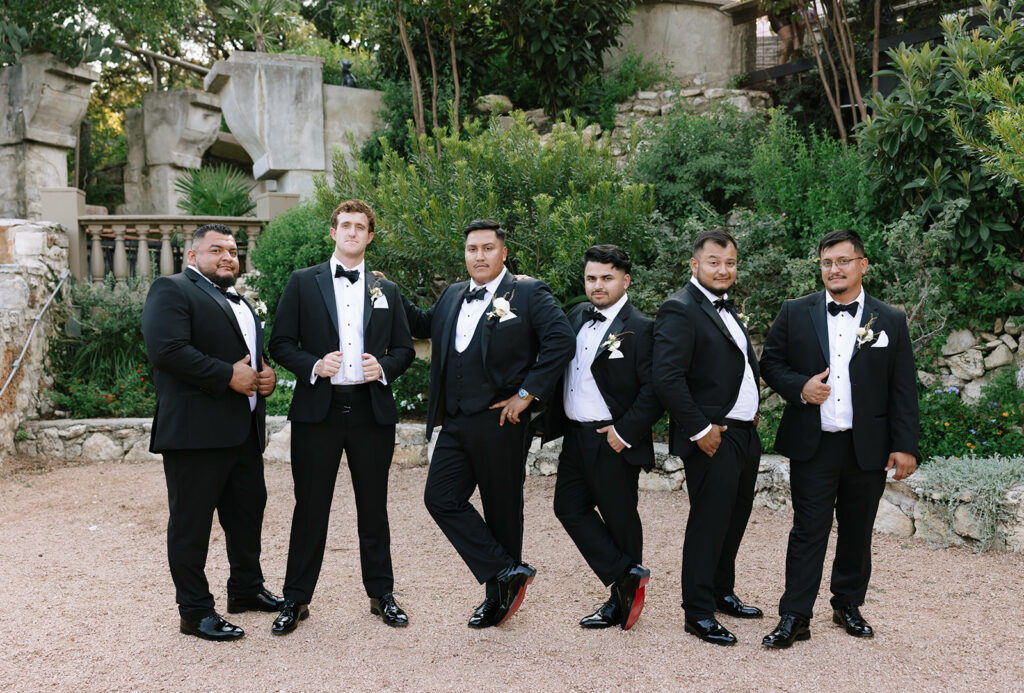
(89, 605)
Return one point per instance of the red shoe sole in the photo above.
(638, 605)
(517, 601)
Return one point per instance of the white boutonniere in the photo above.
(613, 343)
(501, 308)
(865, 335)
(377, 296)
(742, 317)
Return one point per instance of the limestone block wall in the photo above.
(32, 257)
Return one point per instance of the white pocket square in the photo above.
(615, 355)
(881, 341)
(508, 316)
(380, 302)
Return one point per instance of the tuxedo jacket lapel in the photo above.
(326, 283)
(448, 314)
(710, 310)
(367, 303)
(617, 326)
(870, 309)
(222, 302)
(506, 288)
(817, 310)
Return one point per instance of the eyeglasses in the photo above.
(842, 263)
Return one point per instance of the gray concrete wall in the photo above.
(348, 110)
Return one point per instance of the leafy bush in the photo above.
(600, 93)
(914, 156)
(363, 64)
(554, 200)
(31, 26)
(214, 191)
(411, 389)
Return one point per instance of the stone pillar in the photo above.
(349, 112)
(168, 134)
(65, 206)
(270, 205)
(273, 104)
(42, 103)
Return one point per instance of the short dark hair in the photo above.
(608, 255)
(355, 207)
(207, 228)
(841, 236)
(485, 225)
(718, 235)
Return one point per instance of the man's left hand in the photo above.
(613, 440)
(905, 465)
(372, 370)
(266, 379)
(511, 408)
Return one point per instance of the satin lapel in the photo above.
(448, 314)
(577, 319)
(751, 354)
(817, 311)
(222, 302)
(326, 282)
(506, 289)
(617, 326)
(870, 308)
(367, 303)
(259, 335)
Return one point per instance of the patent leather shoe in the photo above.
(607, 615)
(849, 618)
(710, 630)
(730, 604)
(790, 629)
(389, 611)
(211, 627)
(291, 614)
(261, 601)
(512, 583)
(485, 615)
(631, 590)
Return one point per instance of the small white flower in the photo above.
(865, 335)
(500, 307)
(743, 318)
(375, 293)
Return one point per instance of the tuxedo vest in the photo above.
(466, 386)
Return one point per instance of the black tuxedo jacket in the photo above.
(193, 340)
(625, 384)
(527, 351)
(883, 379)
(698, 367)
(306, 328)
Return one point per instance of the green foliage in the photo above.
(363, 68)
(1004, 158)
(554, 200)
(99, 358)
(699, 165)
(281, 398)
(51, 26)
(915, 158)
(260, 22)
(214, 191)
(21, 435)
(600, 93)
(300, 237)
(771, 416)
(978, 483)
(411, 389)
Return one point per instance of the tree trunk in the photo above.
(455, 68)
(874, 48)
(414, 74)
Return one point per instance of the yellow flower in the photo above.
(946, 424)
(1005, 414)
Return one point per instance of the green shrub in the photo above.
(411, 389)
(600, 93)
(214, 191)
(363, 63)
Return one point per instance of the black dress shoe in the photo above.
(790, 629)
(261, 601)
(512, 584)
(211, 627)
(631, 591)
(731, 604)
(389, 611)
(607, 615)
(710, 630)
(291, 614)
(486, 615)
(849, 617)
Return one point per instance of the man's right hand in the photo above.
(815, 391)
(329, 365)
(243, 379)
(710, 441)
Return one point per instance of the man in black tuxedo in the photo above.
(497, 344)
(843, 362)
(206, 345)
(605, 413)
(705, 372)
(344, 335)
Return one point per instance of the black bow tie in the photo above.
(835, 309)
(725, 304)
(351, 275)
(231, 296)
(591, 314)
(474, 295)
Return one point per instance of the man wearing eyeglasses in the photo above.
(843, 362)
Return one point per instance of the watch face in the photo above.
(523, 394)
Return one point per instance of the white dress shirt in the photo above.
(246, 323)
(581, 397)
(745, 408)
(470, 312)
(837, 409)
(349, 298)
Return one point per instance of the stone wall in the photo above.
(32, 258)
(969, 359)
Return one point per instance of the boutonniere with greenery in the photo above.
(501, 306)
(613, 342)
(375, 292)
(865, 335)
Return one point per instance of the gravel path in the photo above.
(88, 605)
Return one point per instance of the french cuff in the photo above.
(312, 375)
(621, 439)
(701, 434)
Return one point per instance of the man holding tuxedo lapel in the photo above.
(344, 335)
(206, 345)
(705, 373)
(496, 345)
(605, 412)
(843, 362)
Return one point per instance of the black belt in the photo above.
(587, 424)
(349, 389)
(736, 423)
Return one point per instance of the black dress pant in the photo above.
(721, 492)
(230, 481)
(596, 499)
(830, 480)
(474, 451)
(316, 454)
